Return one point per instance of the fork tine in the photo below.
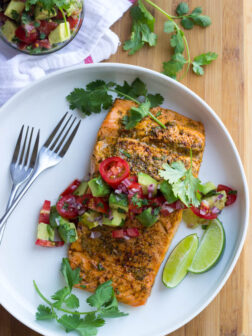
(28, 149)
(23, 149)
(69, 141)
(64, 137)
(60, 134)
(17, 148)
(52, 135)
(34, 152)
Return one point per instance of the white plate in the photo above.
(41, 105)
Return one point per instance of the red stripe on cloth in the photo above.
(88, 60)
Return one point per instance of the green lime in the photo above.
(210, 248)
(179, 260)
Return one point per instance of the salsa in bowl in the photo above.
(39, 27)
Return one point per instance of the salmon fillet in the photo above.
(132, 264)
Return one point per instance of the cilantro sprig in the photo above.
(143, 33)
(96, 96)
(63, 301)
(183, 183)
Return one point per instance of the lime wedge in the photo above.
(179, 260)
(210, 248)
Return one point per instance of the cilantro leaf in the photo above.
(69, 322)
(187, 23)
(201, 20)
(174, 65)
(182, 9)
(155, 100)
(136, 114)
(72, 277)
(88, 326)
(103, 294)
(169, 27)
(197, 11)
(177, 42)
(203, 59)
(111, 310)
(93, 99)
(166, 189)
(44, 313)
(142, 29)
(135, 90)
(61, 294)
(172, 173)
(72, 302)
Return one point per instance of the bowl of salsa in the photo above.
(39, 27)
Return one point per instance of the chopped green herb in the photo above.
(125, 153)
(14, 15)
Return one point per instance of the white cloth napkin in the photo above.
(93, 43)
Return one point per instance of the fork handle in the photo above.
(13, 194)
(16, 201)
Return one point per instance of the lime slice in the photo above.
(210, 248)
(179, 260)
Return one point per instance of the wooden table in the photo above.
(225, 89)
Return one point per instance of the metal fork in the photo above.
(21, 166)
(50, 155)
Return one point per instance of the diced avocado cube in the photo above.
(67, 231)
(218, 200)
(8, 30)
(167, 191)
(45, 232)
(191, 220)
(207, 187)
(91, 219)
(98, 187)
(81, 189)
(14, 9)
(118, 201)
(43, 14)
(148, 217)
(117, 218)
(60, 34)
(74, 8)
(146, 180)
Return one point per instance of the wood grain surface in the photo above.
(225, 87)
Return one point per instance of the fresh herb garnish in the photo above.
(14, 15)
(143, 33)
(63, 300)
(25, 19)
(96, 96)
(184, 185)
(125, 153)
(139, 202)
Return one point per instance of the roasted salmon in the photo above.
(132, 264)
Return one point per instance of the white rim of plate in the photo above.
(219, 121)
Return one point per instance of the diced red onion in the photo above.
(166, 207)
(203, 212)
(81, 211)
(95, 234)
(126, 182)
(57, 221)
(215, 210)
(219, 197)
(118, 191)
(205, 203)
(126, 237)
(98, 219)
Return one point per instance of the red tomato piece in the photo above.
(178, 205)
(59, 16)
(118, 233)
(27, 33)
(73, 20)
(69, 206)
(98, 204)
(47, 26)
(135, 191)
(231, 194)
(157, 201)
(132, 232)
(42, 44)
(114, 170)
(204, 212)
(71, 188)
(44, 215)
(22, 45)
(3, 18)
(48, 243)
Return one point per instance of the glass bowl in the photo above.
(57, 47)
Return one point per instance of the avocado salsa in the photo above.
(36, 27)
(113, 195)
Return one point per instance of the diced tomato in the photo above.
(135, 188)
(157, 201)
(135, 191)
(71, 188)
(132, 232)
(114, 170)
(27, 33)
(3, 18)
(98, 204)
(231, 194)
(47, 26)
(84, 200)
(22, 45)
(204, 212)
(69, 206)
(48, 243)
(73, 20)
(177, 205)
(44, 215)
(42, 44)
(118, 233)
(59, 16)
